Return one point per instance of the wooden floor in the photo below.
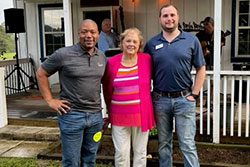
(30, 105)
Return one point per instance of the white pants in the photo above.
(122, 136)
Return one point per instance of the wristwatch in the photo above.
(195, 96)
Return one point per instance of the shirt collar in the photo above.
(180, 36)
(95, 53)
(102, 33)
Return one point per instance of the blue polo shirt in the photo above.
(173, 61)
(107, 41)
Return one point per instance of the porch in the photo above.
(27, 107)
(225, 119)
(24, 107)
(28, 110)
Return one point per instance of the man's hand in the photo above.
(190, 98)
(59, 105)
(43, 82)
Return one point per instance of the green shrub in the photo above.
(153, 131)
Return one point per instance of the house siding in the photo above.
(138, 13)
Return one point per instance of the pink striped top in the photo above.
(125, 102)
(144, 64)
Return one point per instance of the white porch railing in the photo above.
(234, 99)
(3, 108)
(15, 84)
(234, 104)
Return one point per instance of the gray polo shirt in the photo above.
(80, 76)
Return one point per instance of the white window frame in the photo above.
(43, 30)
(96, 9)
(237, 28)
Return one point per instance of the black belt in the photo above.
(173, 94)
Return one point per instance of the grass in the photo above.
(33, 162)
(28, 162)
(7, 55)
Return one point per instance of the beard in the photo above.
(168, 29)
(87, 44)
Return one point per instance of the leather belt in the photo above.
(173, 94)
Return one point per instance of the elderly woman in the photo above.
(126, 84)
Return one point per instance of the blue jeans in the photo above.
(80, 137)
(183, 111)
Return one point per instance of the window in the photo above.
(241, 23)
(51, 29)
(243, 28)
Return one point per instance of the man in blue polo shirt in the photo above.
(107, 39)
(174, 52)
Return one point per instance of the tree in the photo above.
(7, 43)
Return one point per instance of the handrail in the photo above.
(18, 82)
(13, 61)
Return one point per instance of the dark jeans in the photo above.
(183, 110)
(80, 137)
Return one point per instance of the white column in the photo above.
(68, 22)
(3, 108)
(217, 68)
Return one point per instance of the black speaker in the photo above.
(14, 20)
